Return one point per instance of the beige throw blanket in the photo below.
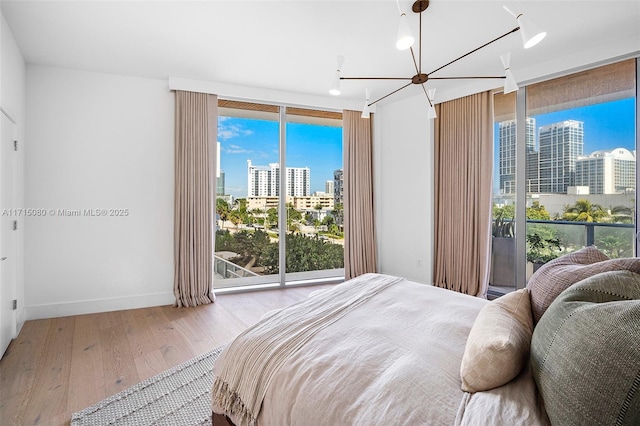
(245, 369)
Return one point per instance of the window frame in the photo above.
(521, 194)
(286, 114)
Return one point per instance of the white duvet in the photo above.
(394, 359)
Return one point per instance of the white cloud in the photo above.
(229, 131)
(235, 149)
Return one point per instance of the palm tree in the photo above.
(236, 218)
(337, 213)
(584, 211)
(316, 222)
(223, 210)
(622, 214)
(293, 218)
(258, 213)
(271, 219)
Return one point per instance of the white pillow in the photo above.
(498, 345)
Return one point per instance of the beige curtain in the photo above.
(359, 232)
(195, 151)
(463, 168)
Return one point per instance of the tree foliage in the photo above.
(537, 212)
(272, 218)
(222, 209)
(615, 242)
(622, 214)
(305, 254)
(546, 241)
(503, 224)
(584, 211)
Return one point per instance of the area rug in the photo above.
(179, 396)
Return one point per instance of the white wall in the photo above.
(98, 141)
(12, 102)
(403, 166)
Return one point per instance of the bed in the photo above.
(382, 350)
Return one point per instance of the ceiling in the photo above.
(293, 45)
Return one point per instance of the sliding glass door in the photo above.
(247, 196)
(503, 227)
(565, 152)
(315, 239)
(275, 195)
(585, 163)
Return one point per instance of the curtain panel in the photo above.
(196, 122)
(463, 162)
(359, 225)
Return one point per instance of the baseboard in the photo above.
(21, 317)
(82, 307)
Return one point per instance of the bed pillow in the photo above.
(585, 352)
(498, 344)
(557, 275)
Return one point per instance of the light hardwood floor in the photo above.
(58, 366)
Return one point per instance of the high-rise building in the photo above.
(220, 183)
(560, 146)
(298, 181)
(532, 183)
(218, 160)
(507, 155)
(338, 193)
(329, 187)
(607, 172)
(219, 173)
(264, 181)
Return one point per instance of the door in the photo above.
(7, 234)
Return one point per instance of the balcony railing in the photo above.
(226, 269)
(614, 239)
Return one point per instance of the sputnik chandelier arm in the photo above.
(405, 40)
(475, 50)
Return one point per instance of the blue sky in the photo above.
(606, 126)
(242, 139)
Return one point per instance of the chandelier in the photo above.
(531, 36)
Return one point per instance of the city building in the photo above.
(561, 144)
(264, 181)
(306, 203)
(263, 203)
(329, 187)
(219, 173)
(338, 192)
(559, 165)
(298, 181)
(325, 201)
(507, 155)
(532, 185)
(220, 183)
(607, 172)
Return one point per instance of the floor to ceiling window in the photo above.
(278, 174)
(503, 229)
(578, 148)
(315, 239)
(584, 165)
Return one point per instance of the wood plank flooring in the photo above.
(58, 366)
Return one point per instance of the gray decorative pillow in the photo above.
(554, 277)
(585, 352)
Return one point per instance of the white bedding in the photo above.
(395, 359)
